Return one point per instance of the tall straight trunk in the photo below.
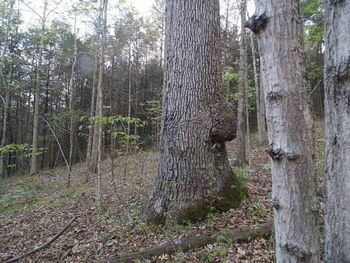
(194, 176)
(72, 104)
(33, 165)
(97, 139)
(241, 135)
(3, 81)
(278, 29)
(337, 105)
(129, 88)
(259, 98)
(92, 112)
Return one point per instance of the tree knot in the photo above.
(275, 153)
(276, 203)
(257, 23)
(296, 251)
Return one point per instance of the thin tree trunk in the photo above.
(99, 103)
(7, 91)
(33, 166)
(92, 115)
(337, 106)
(72, 104)
(242, 103)
(129, 88)
(278, 29)
(259, 98)
(96, 146)
(194, 176)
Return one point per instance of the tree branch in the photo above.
(45, 245)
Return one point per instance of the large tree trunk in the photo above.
(242, 102)
(33, 165)
(194, 175)
(337, 104)
(278, 30)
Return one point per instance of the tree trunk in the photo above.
(33, 166)
(72, 104)
(259, 98)
(278, 29)
(5, 87)
(242, 103)
(194, 175)
(92, 114)
(129, 89)
(337, 105)
(97, 150)
(97, 141)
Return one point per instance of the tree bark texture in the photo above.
(337, 114)
(278, 30)
(194, 175)
(241, 137)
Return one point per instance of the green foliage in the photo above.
(18, 199)
(257, 209)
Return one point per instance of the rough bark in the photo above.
(33, 165)
(242, 102)
(278, 30)
(194, 175)
(337, 105)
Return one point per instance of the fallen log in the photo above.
(45, 245)
(196, 241)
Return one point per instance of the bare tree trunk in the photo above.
(278, 29)
(242, 103)
(194, 176)
(129, 88)
(72, 104)
(33, 166)
(7, 92)
(337, 105)
(259, 98)
(97, 150)
(92, 110)
(97, 141)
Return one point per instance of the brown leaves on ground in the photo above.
(34, 209)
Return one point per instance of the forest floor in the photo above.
(34, 209)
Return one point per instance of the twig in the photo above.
(45, 245)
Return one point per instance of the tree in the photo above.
(278, 29)
(4, 81)
(242, 102)
(72, 101)
(337, 114)
(194, 175)
(259, 98)
(33, 166)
